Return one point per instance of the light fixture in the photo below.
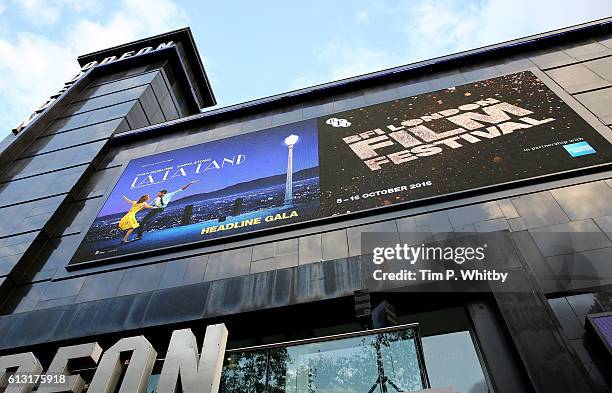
(291, 140)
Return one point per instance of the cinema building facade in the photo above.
(152, 242)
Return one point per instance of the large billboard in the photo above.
(468, 137)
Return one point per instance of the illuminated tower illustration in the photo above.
(290, 141)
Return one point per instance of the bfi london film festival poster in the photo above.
(476, 135)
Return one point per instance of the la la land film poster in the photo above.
(476, 135)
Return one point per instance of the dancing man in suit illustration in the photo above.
(159, 204)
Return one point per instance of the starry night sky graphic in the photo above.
(486, 163)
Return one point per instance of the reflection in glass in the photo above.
(345, 365)
(152, 383)
(452, 361)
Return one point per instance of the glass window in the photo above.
(451, 354)
(352, 364)
(152, 384)
(154, 378)
(452, 361)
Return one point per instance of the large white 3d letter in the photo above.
(137, 373)
(26, 363)
(59, 365)
(182, 361)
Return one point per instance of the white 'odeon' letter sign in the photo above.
(198, 373)
(111, 59)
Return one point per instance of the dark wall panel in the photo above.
(79, 136)
(53, 161)
(46, 193)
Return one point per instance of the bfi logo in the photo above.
(111, 59)
(335, 122)
(197, 372)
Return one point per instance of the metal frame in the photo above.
(330, 337)
(334, 337)
(591, 326)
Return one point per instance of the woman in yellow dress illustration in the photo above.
(128, 222)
